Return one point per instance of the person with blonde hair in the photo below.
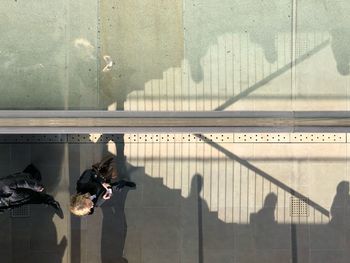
(95, 186)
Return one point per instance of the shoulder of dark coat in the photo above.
(87, 175)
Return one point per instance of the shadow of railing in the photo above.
(226, 86)
(266, 176)
(244, 184)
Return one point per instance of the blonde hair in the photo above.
(78, 204)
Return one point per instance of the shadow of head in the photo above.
(196, 184)
(343, 67)
(343, 188)
(270, 200)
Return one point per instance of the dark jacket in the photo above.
(18, 189)
(90, 182)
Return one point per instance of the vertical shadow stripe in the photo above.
(266, 176)
(272, 76)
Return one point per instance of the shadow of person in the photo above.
(334, 235)
(143, 38)
(265, 34)
(114, 225)
(44, 238)
(196, 187)
(114, 228)
(337, 13)
(206, 22)
(202, 230)
(267, 234)
(267, 214)
(341, 207)
(341, 50)
(192, 221)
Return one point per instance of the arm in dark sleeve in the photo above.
(5, 190)
(99, 197)
(100, 201)
(98, 179)
(87, 178)
(26, 183)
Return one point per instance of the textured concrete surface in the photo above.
(175, 55)
(193, 203)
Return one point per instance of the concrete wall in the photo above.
(175, 55)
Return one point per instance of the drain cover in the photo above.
(299, 207)
(21, 212)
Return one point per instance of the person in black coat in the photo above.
(95, 186)
(25, 188)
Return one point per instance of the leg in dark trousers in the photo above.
(42, 198)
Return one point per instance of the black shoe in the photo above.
(120, 184)
(57, 207)
(130, 184)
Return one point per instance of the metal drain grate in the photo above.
(299, 207)
(21, 212)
